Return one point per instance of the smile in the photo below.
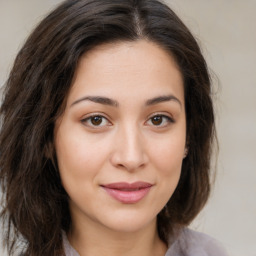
(128, 193)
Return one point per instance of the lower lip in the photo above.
(127, 197)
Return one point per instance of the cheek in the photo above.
(80, 159)
(168, 156)
(75, 154)
(78, 163)
(168, 163)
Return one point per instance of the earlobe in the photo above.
(50, 154)
(185, 152)
(49, 151)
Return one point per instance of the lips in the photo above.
(128, 193)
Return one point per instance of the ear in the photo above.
(186, 148)
(49, 151)
(185, 152)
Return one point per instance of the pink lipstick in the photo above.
(128, 193)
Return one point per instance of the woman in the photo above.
(107, 131)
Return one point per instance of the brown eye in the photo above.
(96, 120)
(157, 120)
(160, 121)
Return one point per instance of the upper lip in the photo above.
(128, 186)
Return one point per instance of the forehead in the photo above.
(127, 54)
(127, 67)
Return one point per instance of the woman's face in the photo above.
(120, 141)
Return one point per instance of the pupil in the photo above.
(96, 120)
(157, 120)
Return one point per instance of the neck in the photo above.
(98, 241)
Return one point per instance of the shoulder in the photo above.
(192, 243)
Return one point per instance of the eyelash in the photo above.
(168, 120)
(88, 119)
(163, 118)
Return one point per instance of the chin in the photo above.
(129, 222)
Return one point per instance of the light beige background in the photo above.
(227, 34)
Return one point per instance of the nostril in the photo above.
(128, 165)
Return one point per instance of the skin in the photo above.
(124, 143)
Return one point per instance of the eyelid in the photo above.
(164, 115)
(91, 115)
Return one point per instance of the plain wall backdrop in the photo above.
(226, 31)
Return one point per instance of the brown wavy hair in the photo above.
(35, 205)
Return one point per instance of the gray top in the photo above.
(188, 243)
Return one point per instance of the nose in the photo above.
(129, 150)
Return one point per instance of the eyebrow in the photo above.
(114, 103)
(98, 99)
(163, 98)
